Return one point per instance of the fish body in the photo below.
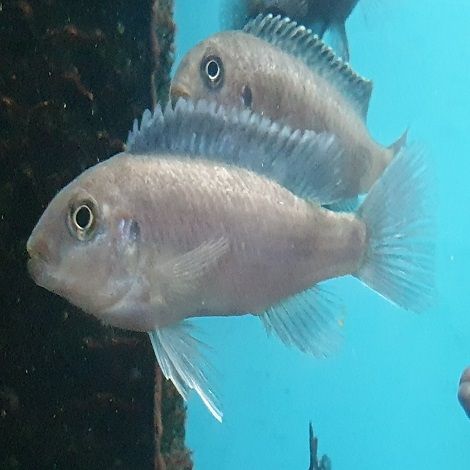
(270, 244)
(192, 220)
(285, 89)
(319, 15)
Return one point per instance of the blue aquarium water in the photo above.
(387, 399)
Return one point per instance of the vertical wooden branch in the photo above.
(162, 31)
(155, 45)
(158, 422)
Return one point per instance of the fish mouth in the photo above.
(38, 262)
(179, 91)
(37, 269)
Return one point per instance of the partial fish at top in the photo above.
(319, 15)
(280, 70)
(191, 220)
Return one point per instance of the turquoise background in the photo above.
(387, 399)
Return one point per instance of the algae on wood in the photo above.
(73, 76)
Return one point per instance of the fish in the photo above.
(319, 15)
(182, 225)
(463, 394)
(282, 71)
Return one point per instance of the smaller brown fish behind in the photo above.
(280, 70)
(319, 15)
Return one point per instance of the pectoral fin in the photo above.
(200, 260)
(181, 275)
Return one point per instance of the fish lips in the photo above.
(37, 269)
(39, 262)
(178, 91)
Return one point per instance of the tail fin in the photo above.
(400, 143)
(399, 261)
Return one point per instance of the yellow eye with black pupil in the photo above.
(83, 217)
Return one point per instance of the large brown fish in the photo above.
(280, 70)
(320, 15)
(177, 227)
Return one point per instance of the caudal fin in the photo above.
(399, 261)
(399, 144)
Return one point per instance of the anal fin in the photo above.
(181, 358)
(308, 321)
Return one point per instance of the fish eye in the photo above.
(213, 71)
(82, 219)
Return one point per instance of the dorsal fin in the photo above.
(309, 164)
(300, 42)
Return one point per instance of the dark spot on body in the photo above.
(134, 231)
(247, 96)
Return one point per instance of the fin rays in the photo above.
(307, 321)
(399, 261)
(310, 165)
(307, 47)
(180, 356)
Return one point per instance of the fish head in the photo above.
(85, 247)
(216, 70)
